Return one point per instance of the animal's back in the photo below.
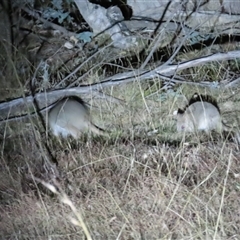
(199, 115)
(68, 117)
(204, 115)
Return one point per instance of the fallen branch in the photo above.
(46, 98)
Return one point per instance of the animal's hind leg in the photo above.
(73, 131)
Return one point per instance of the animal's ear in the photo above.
(175, 112)
(180, 111)
(195, 95)
(195, 98)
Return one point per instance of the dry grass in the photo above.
(131, 186)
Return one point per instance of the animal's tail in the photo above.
(98, 130)
(232, 132)
(236, 138)
(226, 127)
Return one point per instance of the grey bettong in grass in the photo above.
(201, 113)
(70, 116)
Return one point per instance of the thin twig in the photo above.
(53, 25)
(81, 65)
(159, 36)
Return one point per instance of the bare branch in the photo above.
(45, 98)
